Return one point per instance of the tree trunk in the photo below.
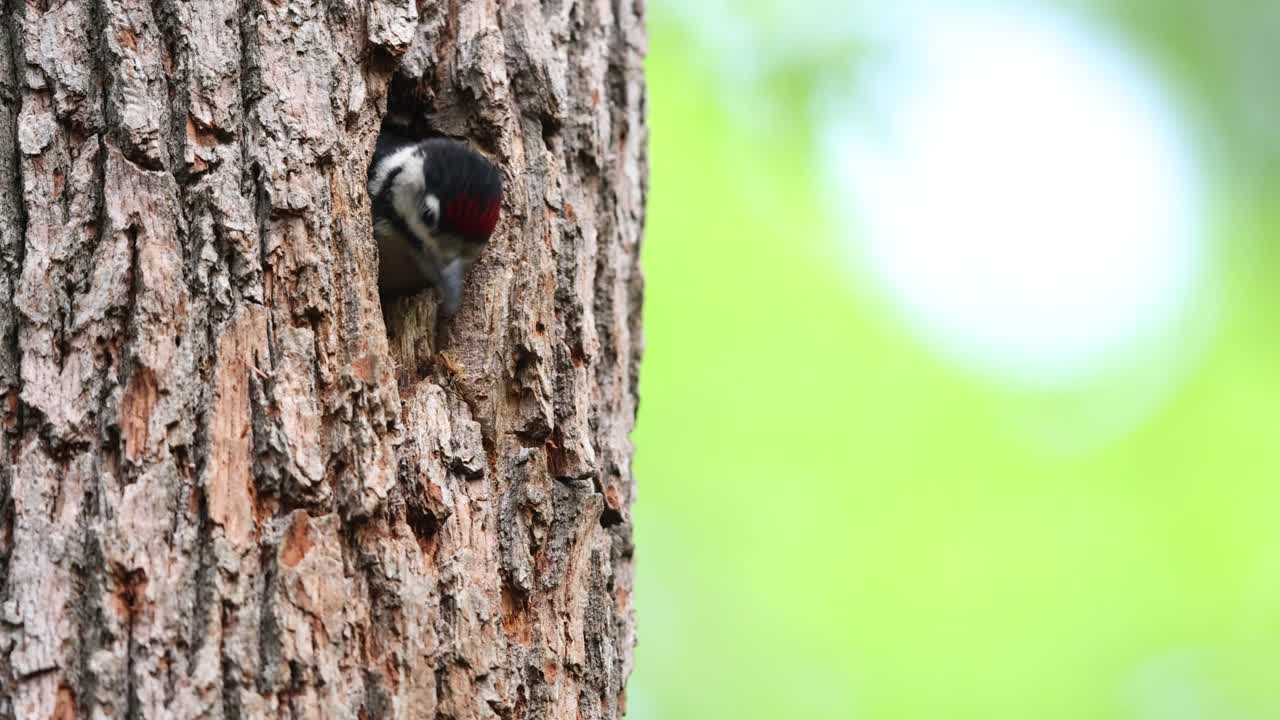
(232, 483)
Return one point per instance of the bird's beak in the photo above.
(451, 285)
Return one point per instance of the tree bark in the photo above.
(232, 482)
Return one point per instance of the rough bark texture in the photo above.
(232, 484)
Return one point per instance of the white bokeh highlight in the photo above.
(1021, 190)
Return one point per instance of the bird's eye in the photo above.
(431, 210)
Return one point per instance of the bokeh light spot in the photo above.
(1022, 191)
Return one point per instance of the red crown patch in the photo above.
(472, 217)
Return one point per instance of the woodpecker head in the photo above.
(435, 204)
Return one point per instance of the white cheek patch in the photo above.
(404, 158)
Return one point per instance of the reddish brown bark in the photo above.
(232, 484)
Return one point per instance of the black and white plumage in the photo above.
(435, 204)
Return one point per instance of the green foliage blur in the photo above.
(834, 521)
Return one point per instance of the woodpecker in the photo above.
(435, 204)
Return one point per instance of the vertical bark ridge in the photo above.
(11, 233)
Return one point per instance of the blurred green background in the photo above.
(852, 508)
